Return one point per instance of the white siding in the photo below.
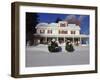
(55, 31)
(38, 31)
(77, 32)
(46, 31)
(69, 32)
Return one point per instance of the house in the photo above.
(61, 31)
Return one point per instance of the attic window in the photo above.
(62, 25)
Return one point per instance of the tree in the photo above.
(69, 47)
(58, 19)
(31, 22)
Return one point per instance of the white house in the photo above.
(61, 31)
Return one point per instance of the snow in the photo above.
(40, 56)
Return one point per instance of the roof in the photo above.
(53, 24)
(42, 25)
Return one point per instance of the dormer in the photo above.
(62, 23)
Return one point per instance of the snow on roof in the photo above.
(53, 24)
(42, 25)
(56, 24)
(46, 25)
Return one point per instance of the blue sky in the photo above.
(49, 18)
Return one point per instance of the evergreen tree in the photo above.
(69, 47)
(31, 22)
(58, 19)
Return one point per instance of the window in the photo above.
(62, 25)
(65, 32)
(49, 32)
(62, 32)
(72, 32)
(42, 31)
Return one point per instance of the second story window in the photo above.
(72, 32)
(62, 32)
(42, 31)
(49, 32)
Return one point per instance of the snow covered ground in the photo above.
(40, 56)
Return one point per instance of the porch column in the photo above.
(73, 40)
(86, 41)
(45, 39)
(57, 38)
(64, 39)
(80, 40)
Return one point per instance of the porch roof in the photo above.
(63, 35)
